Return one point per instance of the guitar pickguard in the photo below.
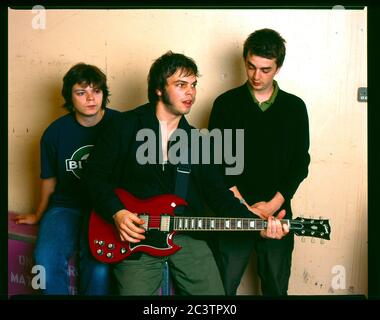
(154, 239)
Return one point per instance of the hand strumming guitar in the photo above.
(127, 223)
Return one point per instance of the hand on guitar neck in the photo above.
(266, 210)
(275, 229)
(127, 223)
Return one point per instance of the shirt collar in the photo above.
(265, 104)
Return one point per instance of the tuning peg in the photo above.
(312, 240)
(302, 239)
(320, 218)
(322, 241)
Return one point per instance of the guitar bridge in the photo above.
(165, 223)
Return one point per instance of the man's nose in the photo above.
(190, 90)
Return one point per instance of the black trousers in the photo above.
(232, 251)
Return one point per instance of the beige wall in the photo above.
(325, 64)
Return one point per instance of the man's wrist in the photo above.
(277, 201)
(115, 214)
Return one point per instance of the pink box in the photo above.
(21, 242)
(20, 263)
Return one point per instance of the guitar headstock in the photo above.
(316, 228)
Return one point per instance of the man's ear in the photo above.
(158, 92)
(278, 70)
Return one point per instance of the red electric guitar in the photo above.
(161, 226)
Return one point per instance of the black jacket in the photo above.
(113, 163)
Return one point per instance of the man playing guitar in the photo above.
(116, 163)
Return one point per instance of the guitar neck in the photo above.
(221, 224)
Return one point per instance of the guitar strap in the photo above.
(182, 180)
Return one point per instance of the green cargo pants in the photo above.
(192, 268)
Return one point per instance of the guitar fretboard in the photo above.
(217, 224)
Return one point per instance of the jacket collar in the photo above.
(147, 114)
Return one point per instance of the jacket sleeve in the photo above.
(300, 157)
(104, 164)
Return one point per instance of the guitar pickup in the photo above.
(165, 223)
(144, 217)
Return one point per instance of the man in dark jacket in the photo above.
(117, 161)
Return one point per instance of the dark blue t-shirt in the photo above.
(65, 147)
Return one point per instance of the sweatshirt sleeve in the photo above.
(220, 120)
(300, 157)
(217, 195)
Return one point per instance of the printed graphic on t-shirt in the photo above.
(77, 161)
